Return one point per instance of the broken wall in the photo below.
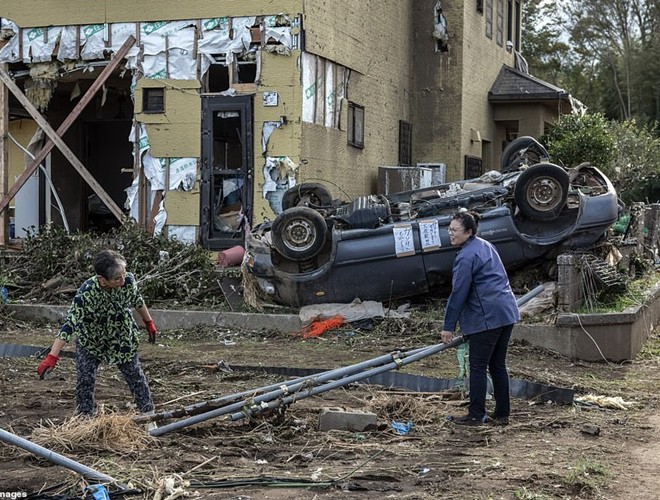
(174, 136)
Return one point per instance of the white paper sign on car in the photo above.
(429, 233)
(404, 245)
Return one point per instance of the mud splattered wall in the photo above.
(372, 39)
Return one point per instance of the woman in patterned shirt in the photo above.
(101, 319)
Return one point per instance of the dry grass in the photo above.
(105, 432)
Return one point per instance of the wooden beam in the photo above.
(61, 145)
(75, 112)
(4, 158)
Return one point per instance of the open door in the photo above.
(227, 170)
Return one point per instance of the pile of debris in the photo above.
(51, 266)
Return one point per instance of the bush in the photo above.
(579, 139)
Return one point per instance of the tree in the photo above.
(618, 41)
(636, 161)
(542, 46)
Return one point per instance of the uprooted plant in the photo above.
(52, 264)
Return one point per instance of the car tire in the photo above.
(541, 191)
(523, 150)
(299, 233)
(306, 194)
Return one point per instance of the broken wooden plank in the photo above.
(61, 145)
(75, 112)
(4, 157)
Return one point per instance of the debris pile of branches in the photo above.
(106, 431)
(53, 264)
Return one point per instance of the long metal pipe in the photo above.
(530, 295)
(398, 360)
(283, 390)
(213, 404)
(295, 386)
(256, 409)
(15, 440)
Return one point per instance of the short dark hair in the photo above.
(468, 219)
(108, 263)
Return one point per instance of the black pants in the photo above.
(488, 353)
(87, 366)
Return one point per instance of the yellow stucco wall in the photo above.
(31, 13)
(279, 73)
(176, 132)
(182, 207)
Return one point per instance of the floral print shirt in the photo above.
(103, 320)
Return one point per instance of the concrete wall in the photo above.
(590, 337)
(595, 337)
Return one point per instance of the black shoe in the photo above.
(496, 420)
(467, 420)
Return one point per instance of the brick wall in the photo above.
(372, 38)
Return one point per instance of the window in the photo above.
(500, 23)
(489, 19)
(355, 125)
(153, 100)
(405, 143)
(473, 167)
(480, 6)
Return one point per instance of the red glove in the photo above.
(47, 365)
(151, 328)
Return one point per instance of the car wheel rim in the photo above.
(544, 194)
(299, 235)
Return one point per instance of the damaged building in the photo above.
(194, 118)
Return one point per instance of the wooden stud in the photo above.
(4, 158)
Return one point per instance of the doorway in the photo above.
(227, 170)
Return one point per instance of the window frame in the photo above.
(355, 135)
(147, 100)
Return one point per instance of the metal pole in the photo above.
(530, 295)
(297, 384)
(401, 359)
(212, 404)
(15, 440)
(255, 409)
(286, 389)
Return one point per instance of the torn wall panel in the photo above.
(324, 87)
(279, 175)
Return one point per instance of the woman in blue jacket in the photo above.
(482, 302)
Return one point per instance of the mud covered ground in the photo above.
(548, 451)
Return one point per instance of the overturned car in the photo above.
(383, 247)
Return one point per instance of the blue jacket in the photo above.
(481, 297)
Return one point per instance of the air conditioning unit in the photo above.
(439, 172)
(403, 178)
